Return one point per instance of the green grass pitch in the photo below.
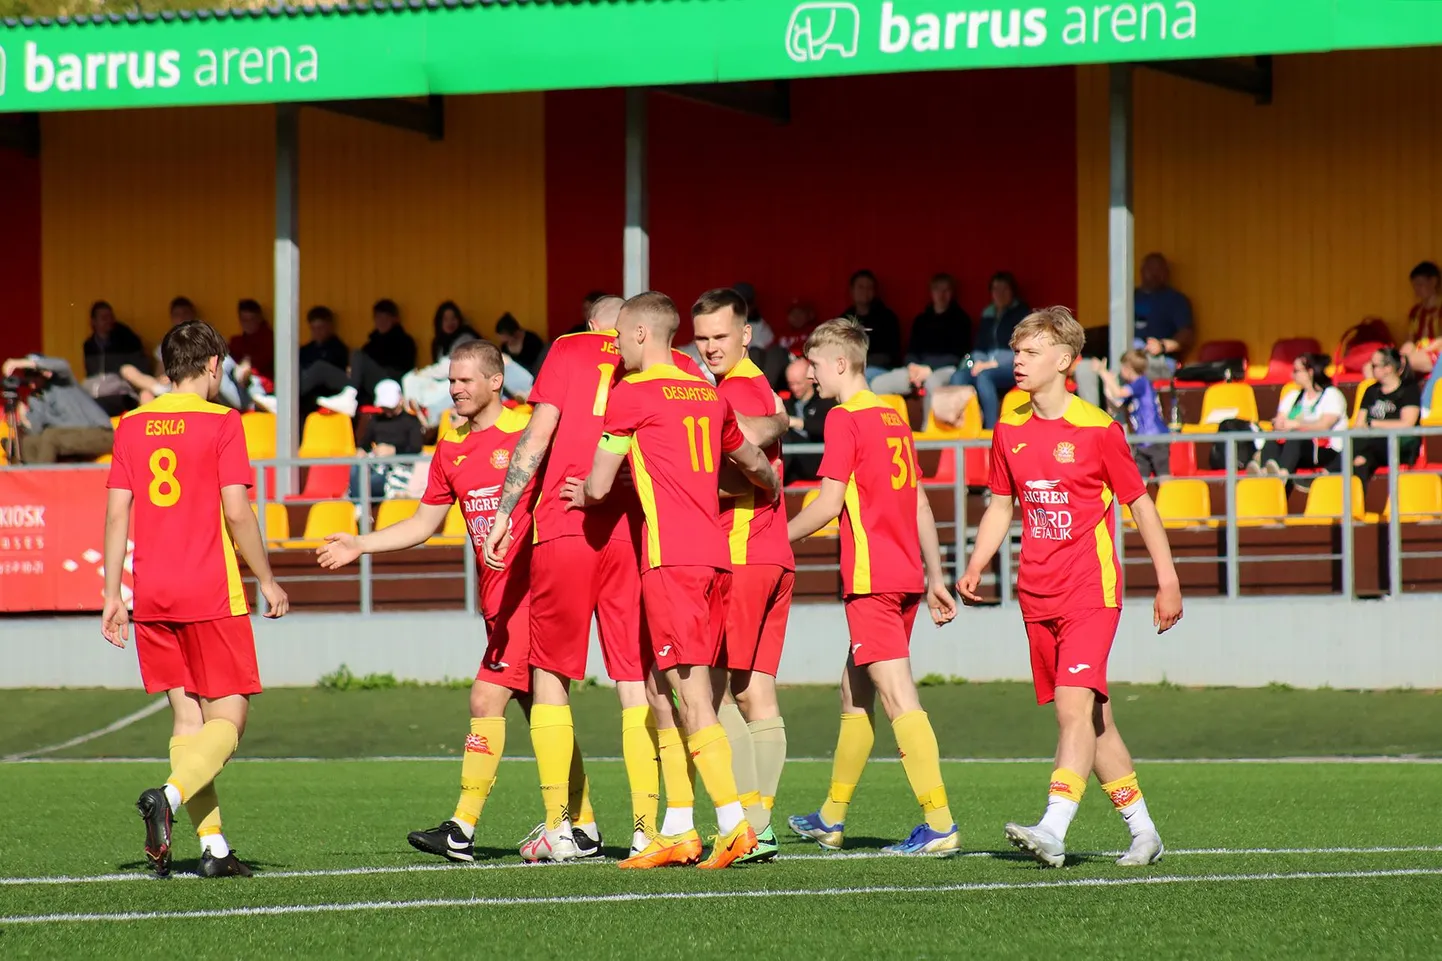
(1265, 860)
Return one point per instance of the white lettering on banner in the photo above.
(141, 70)
(22, 515)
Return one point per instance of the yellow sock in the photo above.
(204, 807)
(922, 760)
(675, 768)
(553, 739)
(853, 747)
(743, 764)
(712, 754)
(769, 738)
(578, 794)
(640, 749)
(1124, 791)
(1067, 784)
(479, 761)
(201, 760)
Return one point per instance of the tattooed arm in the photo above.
(530, 452)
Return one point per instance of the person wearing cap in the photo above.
(391, 432)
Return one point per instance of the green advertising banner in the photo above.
(260, 56)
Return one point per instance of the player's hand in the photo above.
(339, 550)
(573, 489)
(968, 586)
(1168, 608)
(498, 543)
(277, 602)
(940, 601)
(115, 622)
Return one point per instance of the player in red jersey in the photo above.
(675, 428)
(584, 564)
(1069, 464)
(180, 461)
(869, 478)
(762, 577)
(468, 469)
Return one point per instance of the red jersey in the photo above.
(1424, 324)
(755, 526)
(869, 449)
(675, 427)
(469, 468)
(793, 340)
(1067, 473)
(576, 379)
(174, 455)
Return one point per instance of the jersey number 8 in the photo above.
(164, 488)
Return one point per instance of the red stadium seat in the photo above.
(1285, 353)
(978, 467)
(945, 469)
(325, 482)
(1183, 461)
(1214, 350)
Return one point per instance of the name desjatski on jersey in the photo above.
(577, 379)
(1067, 475)
(174, 455)
(755, 526)
(869, 449)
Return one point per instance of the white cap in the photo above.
(388, 394)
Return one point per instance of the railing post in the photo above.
(366, 600)
(260, 502)
(958, 494)
(1349, 533)
(1234, 573)
(1394, 521)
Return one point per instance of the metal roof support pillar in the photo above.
(1121, 238)
(287, 292)
(637, 244)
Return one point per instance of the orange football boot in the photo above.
(734, 846)
(666, 851)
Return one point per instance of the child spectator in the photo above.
(1133, 392)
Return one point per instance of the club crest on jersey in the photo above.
(1065, 453)
(500, 458)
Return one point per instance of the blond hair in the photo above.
(845, 334)
(1136, 361)
(656, 312)
(1056, 324)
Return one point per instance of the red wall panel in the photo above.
(21, 325)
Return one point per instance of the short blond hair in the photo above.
(656, 312)
(845, 334)
(1056, 324)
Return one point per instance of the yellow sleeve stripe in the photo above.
(612, 444)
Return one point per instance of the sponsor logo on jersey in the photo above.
(1044, 492)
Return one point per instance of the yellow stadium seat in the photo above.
(104, 458)
(1128, 521)
(454, 532)
(1434, 407)
(969, 427)
(394, 511)
(1013, 400)
(897, 403)
(326, 517)
(1261, 502)
(259, 428)
(1324, 502)
(1420, 495)
(1229, 402)
(1357, 401)
(277, 522)
(327, 435)
(1185, 503)
(832, 529)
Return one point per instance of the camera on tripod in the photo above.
(11, 387)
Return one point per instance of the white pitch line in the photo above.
(153, 707)
(974, 887)
(785, 857)
(1334, 759)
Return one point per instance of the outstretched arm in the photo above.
(820, 512)
(341, 549)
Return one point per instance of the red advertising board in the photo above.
(52, 530)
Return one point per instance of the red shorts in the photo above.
(756, 618)
(880, 626)
(685, 613)
(506, 607)
(208, 659)
(570, 580)
(1078, 643)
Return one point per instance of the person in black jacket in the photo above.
(940, 338)
(323, 360)
(884, 352)
(520, 344)
(808, 411)
(988, 367)
(110, 346)
(389, 353)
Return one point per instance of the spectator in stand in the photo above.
(1311, 403)
(880, 322)
(322, 360)
(1162, 327)
(790, 343)
(988, 368)
(1132, 391)
(940, 338)
(587, 305)
(252, 351)
(808, 412)
(391, 432)
(59, 419)
(389, 354)
(150, 386)
(1424, 328)
(1392, 403)
(427, 389)
(762, 336)
(521, 346)
(110, 347)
